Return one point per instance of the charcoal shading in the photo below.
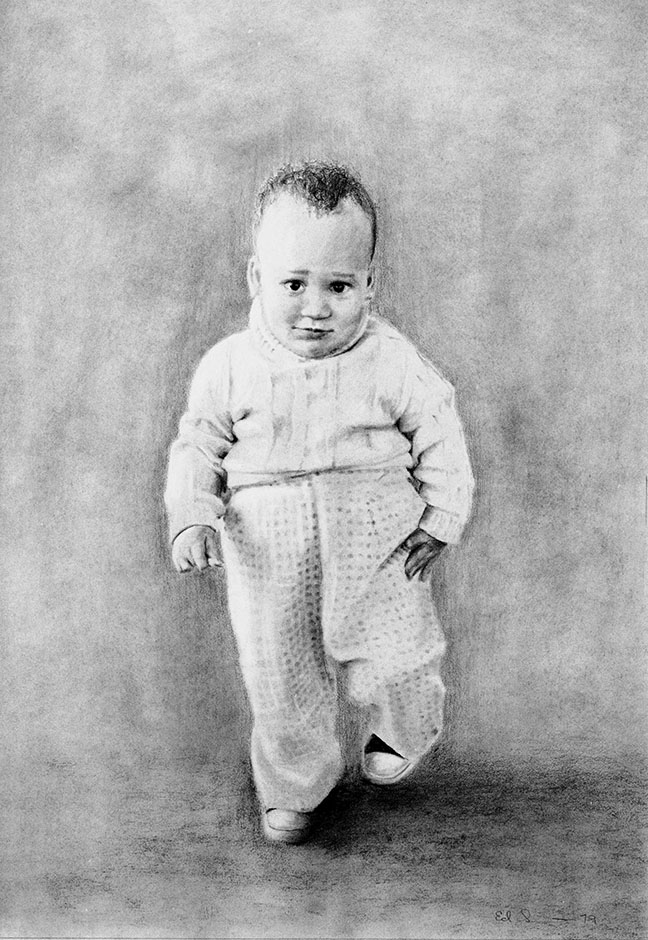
(505, 146)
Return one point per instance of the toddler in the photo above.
(322, 462)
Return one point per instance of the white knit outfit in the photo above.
(306, 466)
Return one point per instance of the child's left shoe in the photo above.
(286, 825)
(384, 766)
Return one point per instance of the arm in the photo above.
(441, 466)
(196, 481)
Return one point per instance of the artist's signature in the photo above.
(524, 915)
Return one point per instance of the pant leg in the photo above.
(272, 555)
(398, 672)
(382, 627)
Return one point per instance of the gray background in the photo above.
(505, 145)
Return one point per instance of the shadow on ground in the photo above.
(174, 851)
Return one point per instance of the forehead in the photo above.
(292, 234)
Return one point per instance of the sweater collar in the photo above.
(281, 353)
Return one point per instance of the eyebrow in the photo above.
(337, 274)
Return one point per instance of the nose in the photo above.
(316, 306)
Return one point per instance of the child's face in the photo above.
(312, 274)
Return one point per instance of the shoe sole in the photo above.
(388, 781)
(286, 836)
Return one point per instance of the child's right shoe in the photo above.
(286, 825)
(384, 766)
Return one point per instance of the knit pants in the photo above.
(316, 587)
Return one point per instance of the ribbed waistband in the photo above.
(355, 473)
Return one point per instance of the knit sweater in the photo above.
(259, 413)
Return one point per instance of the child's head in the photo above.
(315, 236)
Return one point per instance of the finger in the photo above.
(212, 549)
(183, 565)
(412, 565)
(416, 559)
(436, 551)
(417, 537)
(412, 571)
(180, 561)
(427, 569)
(426, 555)
(421, 551)
(199, 555)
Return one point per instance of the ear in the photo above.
(371, 283)
(253, 276)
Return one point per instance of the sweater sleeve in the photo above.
(441, 466)
(196, 481)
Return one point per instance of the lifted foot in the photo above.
(384, 766)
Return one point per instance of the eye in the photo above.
(293, 286)
(340, 287)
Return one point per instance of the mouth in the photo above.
(308, 332)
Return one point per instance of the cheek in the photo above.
(281, 306)
(352, 318)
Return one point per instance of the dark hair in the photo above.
(321, 185)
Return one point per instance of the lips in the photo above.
(310, 332)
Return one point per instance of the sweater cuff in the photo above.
(208, 512)
(441, 525)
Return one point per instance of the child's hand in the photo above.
(196, 547)
(423, 551)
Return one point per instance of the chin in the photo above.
(308, 352)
